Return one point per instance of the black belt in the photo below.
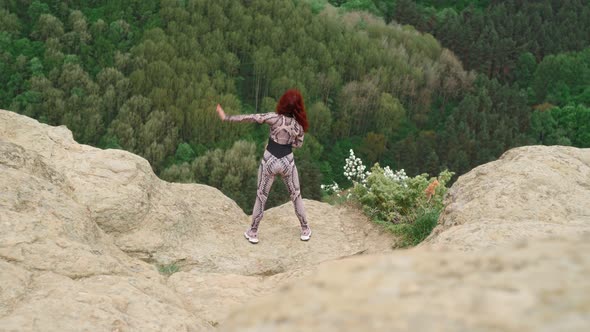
(278, 150)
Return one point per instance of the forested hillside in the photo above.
(145, 76)
(540, 48)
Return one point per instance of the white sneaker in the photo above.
(251, 236)
(305, 234)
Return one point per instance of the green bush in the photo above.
(400, 199)
(406, 206)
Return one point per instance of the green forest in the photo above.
(419, 85)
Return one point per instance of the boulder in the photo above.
(529, 192)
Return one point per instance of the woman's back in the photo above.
(286, 130)
(283, 129)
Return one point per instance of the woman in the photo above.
(287, 128)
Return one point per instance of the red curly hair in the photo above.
(291, 104)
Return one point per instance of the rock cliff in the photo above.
(83, 231)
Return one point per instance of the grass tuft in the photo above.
(168, 269)
(414, 233)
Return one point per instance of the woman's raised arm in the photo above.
(260, 117)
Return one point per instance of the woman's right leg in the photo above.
(265, 180)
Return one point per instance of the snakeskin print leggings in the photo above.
(270, 166)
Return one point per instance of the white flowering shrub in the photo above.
(330, 189)
(408, 206)
(398, 176)
(354, 170)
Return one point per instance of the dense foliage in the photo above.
(490, 36)
(408, 206)
(145, 75)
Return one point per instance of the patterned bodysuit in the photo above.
(284, 130)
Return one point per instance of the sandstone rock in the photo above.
(215, 295)
(59, 271)
(194, 226)
(100, 303)
(532, 191)
(542, 286)
(82, 228)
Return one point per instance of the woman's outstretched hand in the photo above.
(220, 112)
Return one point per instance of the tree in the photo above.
(9, 22)
(373, 147)
(525, 69)
(569, 125)
(544, 128)
(320, 119)
(48, 26)
(184, 153)
(233, 171)
(407, 12)
(389, 116)
(558, 78)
